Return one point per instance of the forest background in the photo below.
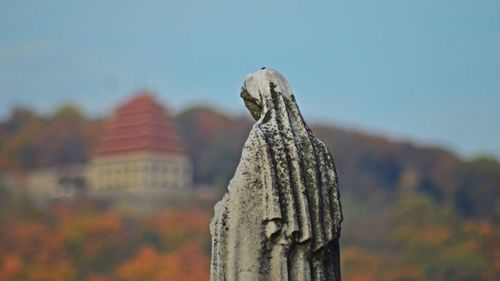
(412, 212)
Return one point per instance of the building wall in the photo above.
(52, 182)
(140, 172)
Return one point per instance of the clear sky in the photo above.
(427, 71)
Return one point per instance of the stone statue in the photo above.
(280, 219)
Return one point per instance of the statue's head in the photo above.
(253, 104)
(258, 88)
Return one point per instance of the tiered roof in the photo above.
(140, 125)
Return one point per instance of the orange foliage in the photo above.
(185, 264)
(80, 241)
(70, 242)
(62, 271)
(92, 236)
(359, 265)
(97, 277)
(10, 267)
(428, 235)
(34, 252)
(403, 273)
(183, 226)
(34, 242)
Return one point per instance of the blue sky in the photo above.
(427, 71)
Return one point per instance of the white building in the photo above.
(139, 152)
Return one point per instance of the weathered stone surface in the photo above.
(280, 219)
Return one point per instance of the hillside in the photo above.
(372, 169)
(411, 213)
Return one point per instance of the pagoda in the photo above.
(140, 150)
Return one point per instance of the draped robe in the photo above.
(281, 216)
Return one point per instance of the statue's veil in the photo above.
(301, 197)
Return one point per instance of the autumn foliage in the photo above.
(411, 213)
(82, 241)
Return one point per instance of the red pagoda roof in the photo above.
(140, 125)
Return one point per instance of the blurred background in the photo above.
(121, 126)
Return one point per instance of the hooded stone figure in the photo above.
(280, 219)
